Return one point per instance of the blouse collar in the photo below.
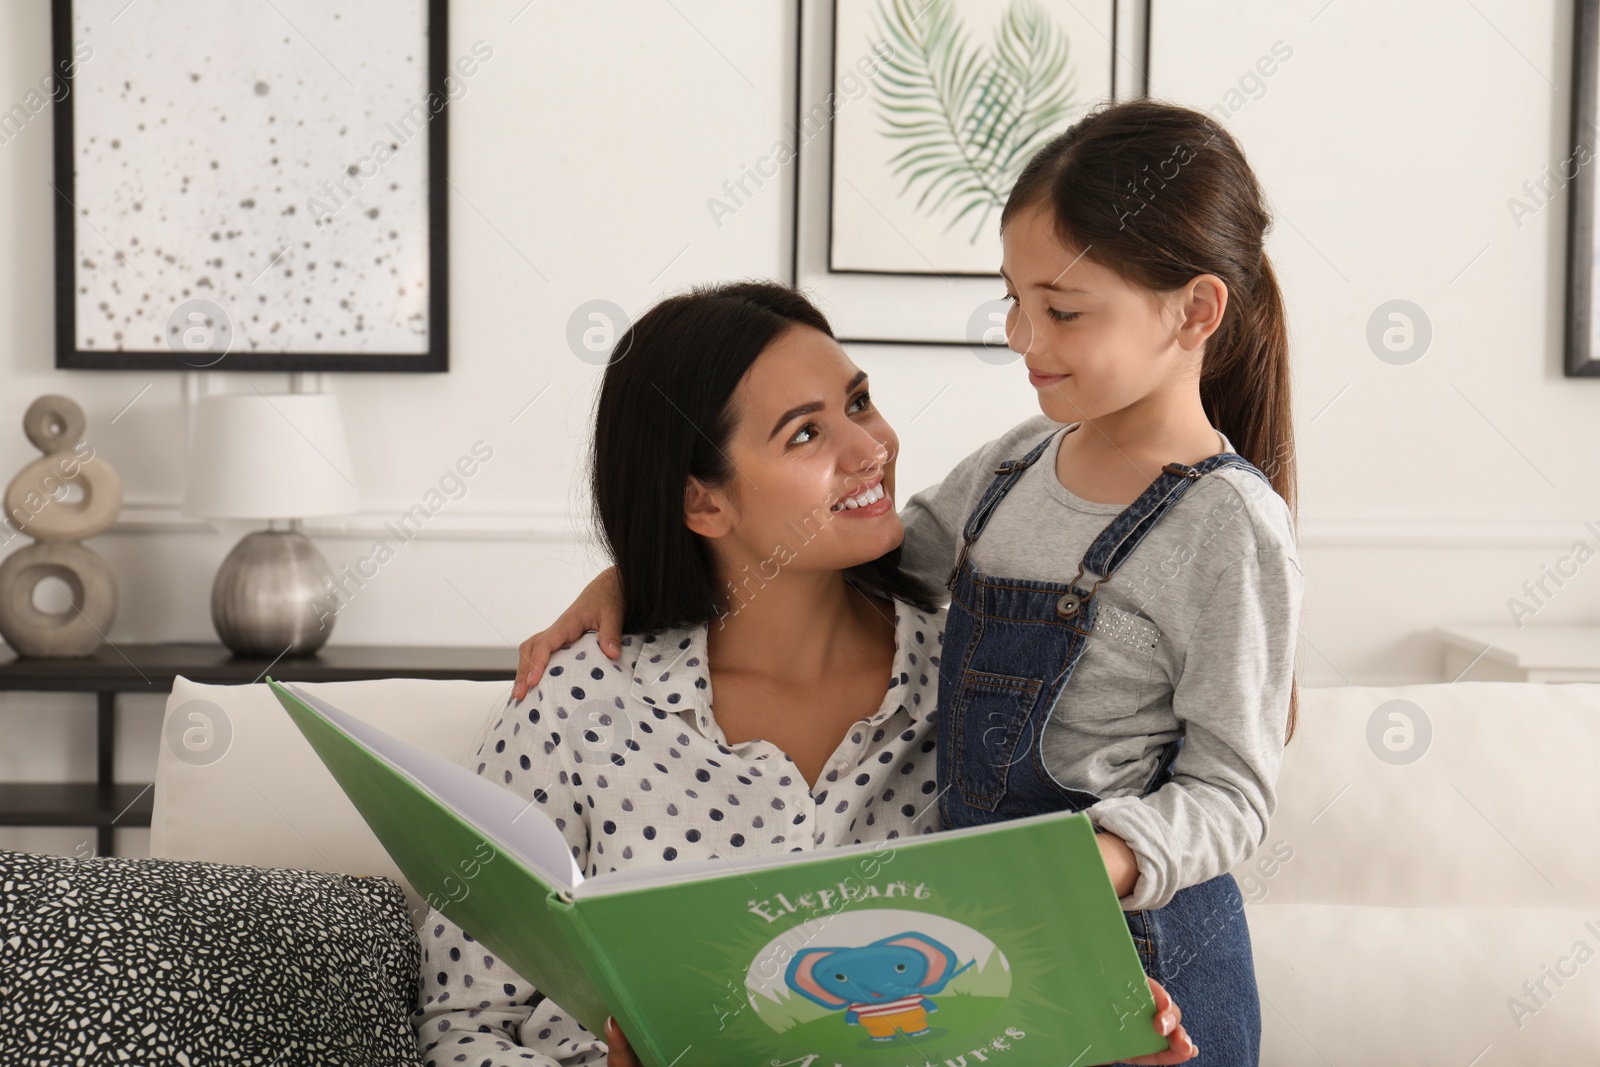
(670, 661)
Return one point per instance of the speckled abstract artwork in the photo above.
(270, 158)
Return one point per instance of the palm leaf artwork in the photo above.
(970, 119)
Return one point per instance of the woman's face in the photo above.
(806, 439)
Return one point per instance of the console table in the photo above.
(150, 668)
(1530, 654)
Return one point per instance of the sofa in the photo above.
(1428, 891)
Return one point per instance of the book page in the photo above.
(513, 824)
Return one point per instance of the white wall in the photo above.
(581, 159)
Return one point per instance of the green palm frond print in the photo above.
(969, 118)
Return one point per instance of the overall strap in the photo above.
(1006, 475)
(1118, 540)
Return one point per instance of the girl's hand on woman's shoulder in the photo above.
(598, 607)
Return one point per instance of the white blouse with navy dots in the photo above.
(627, 760)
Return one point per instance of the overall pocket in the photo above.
(1113, 677)
(992, 718)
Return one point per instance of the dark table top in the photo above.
(125, 667)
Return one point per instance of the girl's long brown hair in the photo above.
(1160, 193)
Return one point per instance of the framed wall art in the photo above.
(1582, 350)
(913, 119)
(253, 186)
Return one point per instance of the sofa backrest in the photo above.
(1472, 794)
(236, 782)
(1494, 812)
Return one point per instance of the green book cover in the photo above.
(1002, 942)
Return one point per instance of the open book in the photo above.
(1001, 942)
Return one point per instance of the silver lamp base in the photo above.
(268, 596)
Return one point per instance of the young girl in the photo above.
(1125, 588)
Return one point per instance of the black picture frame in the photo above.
(436, 357)
(1581, 359)
(804, 266)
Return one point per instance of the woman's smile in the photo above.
(872, 501)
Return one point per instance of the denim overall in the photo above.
(1010, 647)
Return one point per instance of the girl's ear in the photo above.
(706, 511)
(1205, 299)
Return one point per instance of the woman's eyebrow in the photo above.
(812, 407)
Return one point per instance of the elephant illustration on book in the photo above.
(883, 986)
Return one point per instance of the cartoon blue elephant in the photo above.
(883, 986)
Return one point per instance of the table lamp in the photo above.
(281, 457)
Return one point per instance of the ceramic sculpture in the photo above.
(40, 502)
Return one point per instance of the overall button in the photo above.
(1068, 605)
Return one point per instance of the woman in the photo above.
(744, 484)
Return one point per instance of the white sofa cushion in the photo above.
(269, 801)
(1417, 898)
(1498, 811)
(1344, 984)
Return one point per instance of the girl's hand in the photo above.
(598, 607)
(1168, 1014)
(618, 1054)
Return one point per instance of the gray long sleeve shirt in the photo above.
(1195, 634)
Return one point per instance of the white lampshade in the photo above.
(255, 456)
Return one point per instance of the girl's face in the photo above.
(807, 437)
(1094, 343)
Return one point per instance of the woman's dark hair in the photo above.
(666, 412)
(1159, 193)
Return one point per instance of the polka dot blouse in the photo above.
(627, 760)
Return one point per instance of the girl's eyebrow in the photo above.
(814, 406)
(1049, 285)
